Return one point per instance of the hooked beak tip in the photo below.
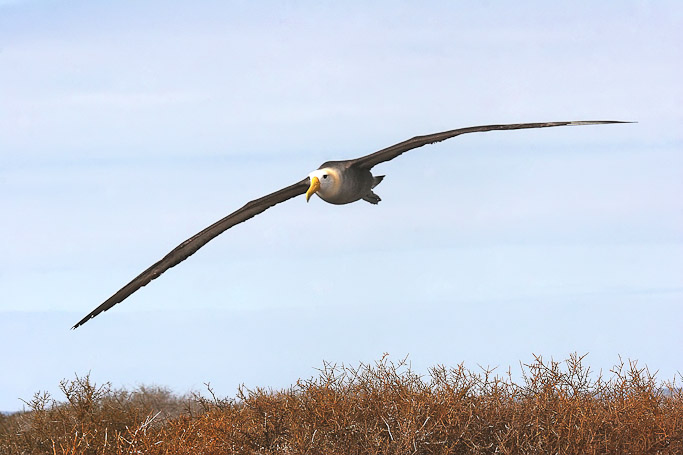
(315, 185)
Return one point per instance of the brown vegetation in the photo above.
(383, 408)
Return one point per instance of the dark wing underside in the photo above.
(191, 245)
(389, 153)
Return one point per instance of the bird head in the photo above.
(323, 182)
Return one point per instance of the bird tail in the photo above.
(372, 198)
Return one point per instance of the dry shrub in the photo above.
(383, 408)
(93, 419)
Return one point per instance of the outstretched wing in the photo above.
(191, 245)
(389, 153)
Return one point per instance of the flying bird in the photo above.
(336, 182)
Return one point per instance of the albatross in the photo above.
(336, 182)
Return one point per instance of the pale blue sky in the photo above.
(125, 128)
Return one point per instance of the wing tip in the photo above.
(86, 319)
(598, 122)
(81, 322)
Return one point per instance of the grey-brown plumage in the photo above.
(342, 182)
(336, 182)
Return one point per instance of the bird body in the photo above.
(336, 182)
(343, 182)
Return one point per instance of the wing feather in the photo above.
(389, 153)
(194, 243)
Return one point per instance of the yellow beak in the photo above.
(315, 185)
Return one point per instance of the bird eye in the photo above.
(324, 176)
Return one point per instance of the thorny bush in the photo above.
(380, 408)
